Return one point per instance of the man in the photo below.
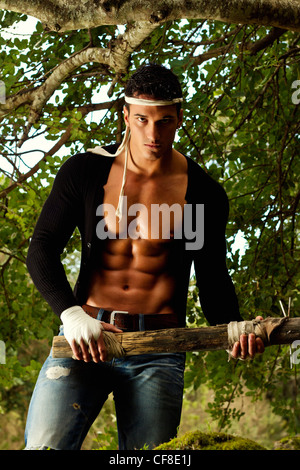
(134, 273)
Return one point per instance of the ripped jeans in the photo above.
(69, 395)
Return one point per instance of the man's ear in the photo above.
(180, 119)
(126, 115)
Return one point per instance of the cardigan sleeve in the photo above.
(58, 219)
(216, 290)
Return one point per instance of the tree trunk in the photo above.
(273, 331)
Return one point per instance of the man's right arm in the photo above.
(56, 224)
(61, 214)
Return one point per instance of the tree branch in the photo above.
(253, 48)
(36, 167)
(84, 110)
(116, 57)
(271, 330)
(63, 15)
(268, 40)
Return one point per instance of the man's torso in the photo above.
(135, 269)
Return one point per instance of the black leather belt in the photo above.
(133, 322)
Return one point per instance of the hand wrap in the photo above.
(79, 325)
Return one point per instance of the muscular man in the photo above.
(134, 272)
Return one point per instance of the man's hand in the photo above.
(95, 350)
(248, 346)
(84, 334)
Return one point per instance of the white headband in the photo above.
(125, 142)
(140, 101)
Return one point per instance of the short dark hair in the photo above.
(154, 80)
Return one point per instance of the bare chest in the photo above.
(152, 208)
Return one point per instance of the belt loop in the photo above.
(141, 322)
(112, 317)
(100, 314)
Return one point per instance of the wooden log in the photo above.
(276, 331)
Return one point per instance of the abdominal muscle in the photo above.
(137, 276)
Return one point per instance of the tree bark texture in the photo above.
(275, 331)
(64, 15)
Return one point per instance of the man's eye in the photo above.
(141, 119)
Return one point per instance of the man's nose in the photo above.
(153, 132)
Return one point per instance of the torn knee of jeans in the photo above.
(56, 372)
(42, 447)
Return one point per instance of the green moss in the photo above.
(288, 443)
(210, 441)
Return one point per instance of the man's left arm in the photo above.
(217, 294)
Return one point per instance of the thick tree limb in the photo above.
(64, 15)
(274, 331)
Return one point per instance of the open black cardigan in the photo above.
(78, 191)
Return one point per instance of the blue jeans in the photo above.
(69, 395)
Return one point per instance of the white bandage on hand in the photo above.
(79, 325)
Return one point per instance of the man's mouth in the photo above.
(153, 146)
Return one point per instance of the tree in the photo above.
(64, 93)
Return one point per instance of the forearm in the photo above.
(218, 298)
(49, 277)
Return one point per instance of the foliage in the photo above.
(288, 443)
(242, 126)
(210, 441)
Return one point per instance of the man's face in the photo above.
(152, 129)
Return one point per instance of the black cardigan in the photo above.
(77, 192)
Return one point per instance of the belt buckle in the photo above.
(113, 314)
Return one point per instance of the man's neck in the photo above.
(152, 165)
